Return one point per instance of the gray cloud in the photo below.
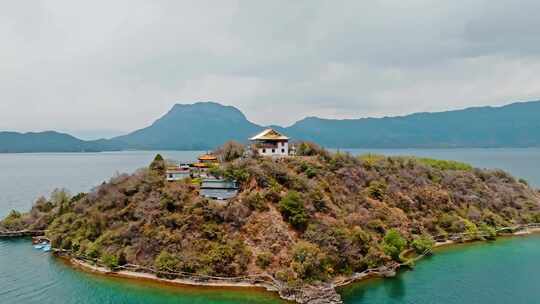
(118, 65)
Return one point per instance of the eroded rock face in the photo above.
(325, 294)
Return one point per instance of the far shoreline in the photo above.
(367, 149)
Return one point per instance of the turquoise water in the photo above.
(32, 276)
(470, 274)
(505, 271)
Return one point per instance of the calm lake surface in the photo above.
(500, 272)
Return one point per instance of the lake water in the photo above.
(501, 272)
(459, 275)
(24, 177)
(32, 276)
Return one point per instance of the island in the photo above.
(301, 223)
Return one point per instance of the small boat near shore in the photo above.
(41, 243)
(39, 246)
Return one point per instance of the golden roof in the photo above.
(269, 134)
(207, 157)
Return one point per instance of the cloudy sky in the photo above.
(101, 67)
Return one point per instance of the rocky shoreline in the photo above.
(311, 294)
(321, 294)
(308, 295)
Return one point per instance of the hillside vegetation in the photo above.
(304, 220)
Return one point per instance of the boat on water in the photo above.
(45, 246)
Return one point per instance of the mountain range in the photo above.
(206, 125)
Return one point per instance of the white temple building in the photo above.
(270, 143)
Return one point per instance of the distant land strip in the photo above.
(206, 125)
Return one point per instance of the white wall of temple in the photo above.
(282, 149)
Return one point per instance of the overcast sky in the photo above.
(90, 67)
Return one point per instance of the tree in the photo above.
(377, 190)
(393, 244)
(293, 210)
(166, 262)
(306, 148)
(488, 231)
(13, 221)
(230, 151)
(158, 165)
(422, 244)
(309, 261)
(264, 259)
(156, 174)
(61, 199)
(111, 261)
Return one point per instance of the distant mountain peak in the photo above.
(196, 126)
(206, 108)
(206, 125)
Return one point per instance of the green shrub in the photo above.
(309, 262)
(311, 172)
(264, 260)
(422, 243)
(308, 169)
(370, 160)
(238, 174)
(377, 190)
(225, 258)
(310, 149)
(166, 262)
(293, 210)
(212, 231)
(488, 231)
(446, 220)
(93, 250)
(66, 243)
(158, 164)
(375, 257)
(471, 229)
(393, 244)
(216, 171)
(75, 246)
(445, 164)
(167, 203)
(255, 201)
(111, 261)
(317, 198)
(13, 221)
(376, 225)
(339, 160)
(78, 197)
